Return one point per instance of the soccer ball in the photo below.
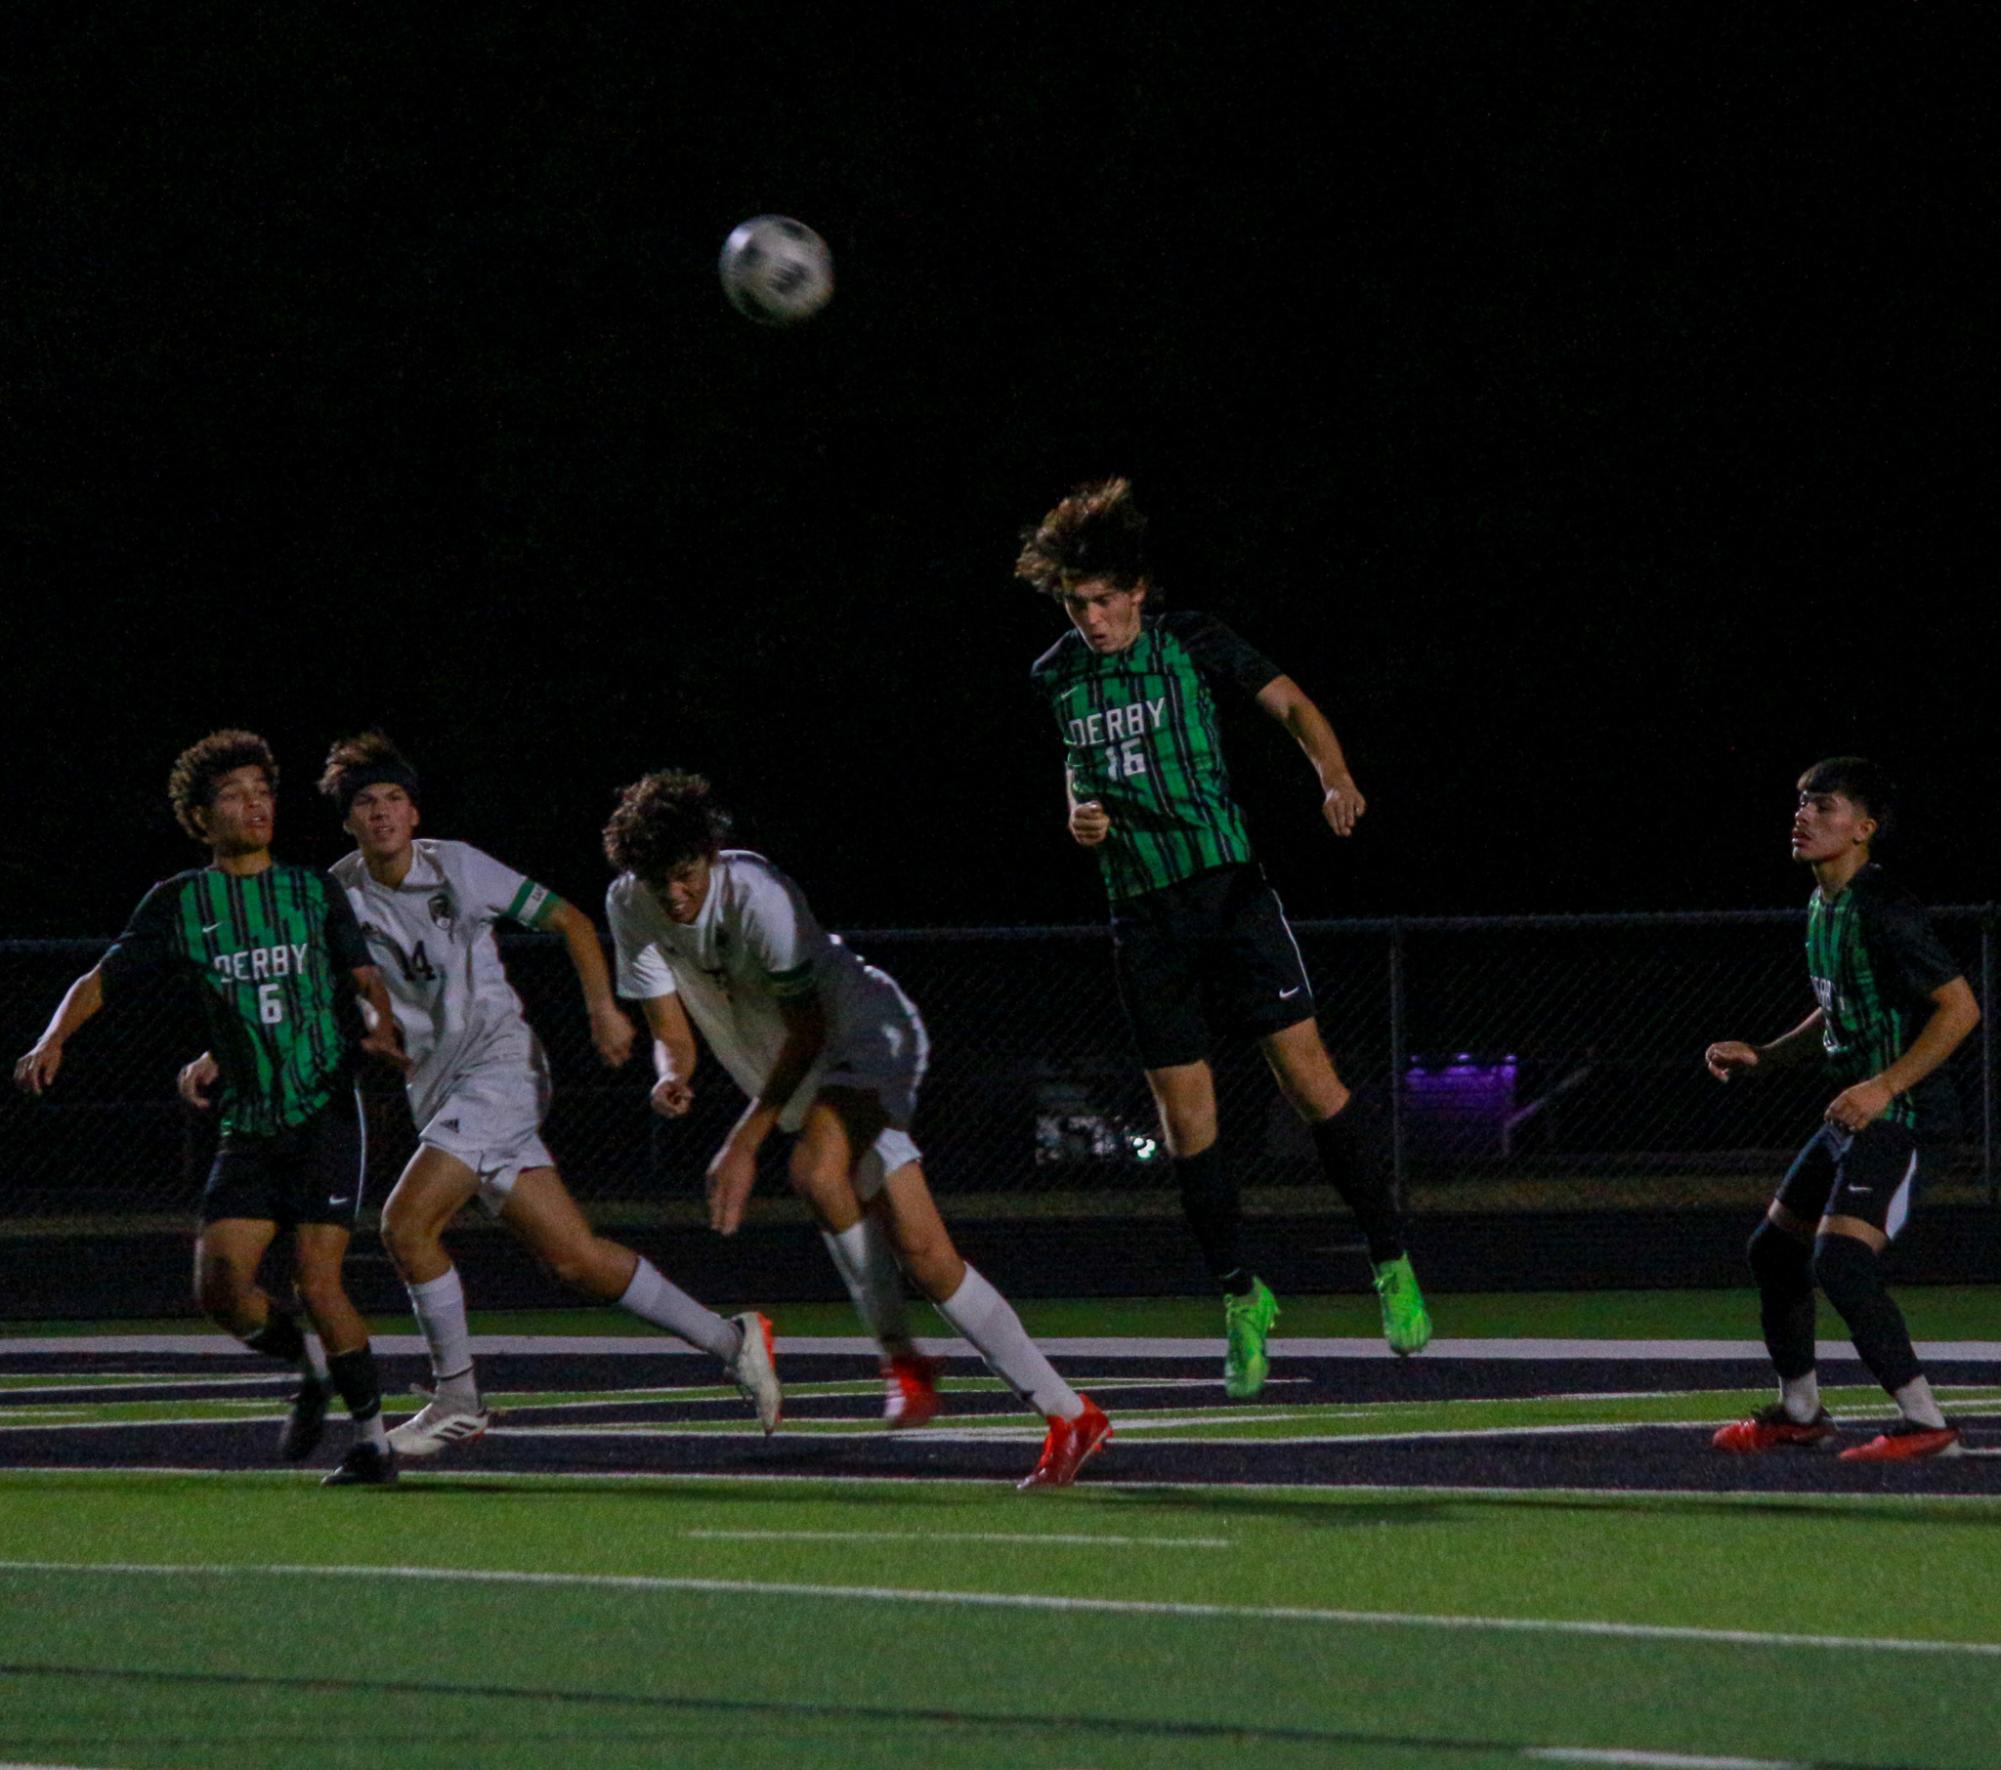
(777, 271)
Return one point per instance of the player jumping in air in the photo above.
(1200, 945)
(828, 1048)
(276, 958)
(1893, 1007)
(479, 1086)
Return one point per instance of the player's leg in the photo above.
(1780, 1252)
(1355, 1157)
(433, 1188)
(1158, 956)
(1876, 1180)
(889, 1180)
(1184, 1095)
(545, 1218)
(323, 1177)
(319, 1249)
(822, 1169)
(241, 1204)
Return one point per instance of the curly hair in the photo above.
(1861, 782)
(661, 821)
(365, 760)
(1096, 532)
(191, 786)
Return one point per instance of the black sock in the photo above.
(1354, 1160)
(353, 1374)
(1238, 1283)
(1783, 1267)
(279, 1337)
(1214, 1212)
(1852, 1277)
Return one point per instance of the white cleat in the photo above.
(755, 1373)
(437, 1426)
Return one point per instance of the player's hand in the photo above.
(384, 1041)
(196, 1079)
(612, 1034)
(1729, 1057)
(671, 1097)
(1341, 804)
(731, 1176)
(1861, 1105)
(1090, 823)
(36, 1069)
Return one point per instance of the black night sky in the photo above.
(1591, 405)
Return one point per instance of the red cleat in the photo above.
(1906, 1442)
(912, 1389)
(1070, 1444)
(1772, 1428)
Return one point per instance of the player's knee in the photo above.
(1778, 1260)
(319, 1291)
(406, 1239)
(1846, 1270)
(222, 1288)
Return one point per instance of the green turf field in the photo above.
(503, 1619)
(262, 1621)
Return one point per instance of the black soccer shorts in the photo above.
(1873, 1174)
(1204, 958)
(311, 1173)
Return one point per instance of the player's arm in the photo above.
(1955, 1013)
(381, 1037)
(734, 1171)
(674, 1054)
(36, 1068)
(611, 1031)
(1730, 1057)
(1341, 801)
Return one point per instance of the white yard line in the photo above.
(1584, 1628)
(1040, 1539)
(1098, 1482)
(1579, 1754)
(659, 1346)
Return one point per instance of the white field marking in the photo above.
(1037, 1539)
(1590, 1628)
(1579, 1754)
(92, 1390)
(1097, 1483)
(660, 1346)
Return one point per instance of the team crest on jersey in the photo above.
(443, 911)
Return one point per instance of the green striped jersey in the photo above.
(1875, 960)
(1139, 734)
(269, 956)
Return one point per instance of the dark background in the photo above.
(1591, 406)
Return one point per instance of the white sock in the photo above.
(987, 1319)
(1800, 1397)
(656, 1299)
(1915, 1401)
(372, 1431)
(313, 1361)
(440, 1304)
(862, 1255)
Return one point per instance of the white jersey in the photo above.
(754, 945)
(432, 937)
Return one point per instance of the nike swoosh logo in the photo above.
(210, 927)
(338, 1201)
(1286, 995)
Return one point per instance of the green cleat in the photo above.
(1406, 1321)
(1247, 1320)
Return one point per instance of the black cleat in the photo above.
(363, 1466)
(308, 1424)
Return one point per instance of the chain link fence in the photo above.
(1532, 1063)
